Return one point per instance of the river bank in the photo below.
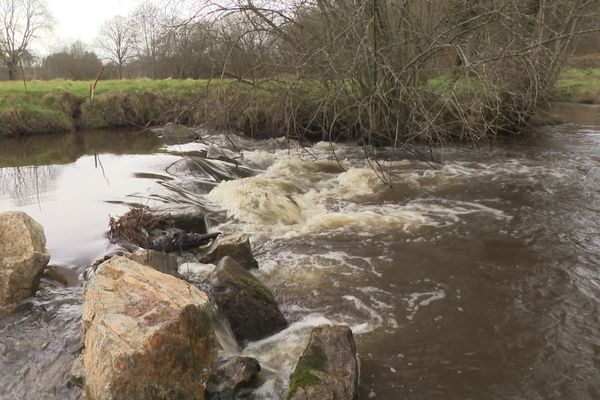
(258, 109)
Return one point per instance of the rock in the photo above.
(89, 271)
(230, 375)
(61, 274)
(186, 219)
(328, 368)
(162, 262)
(244, 302)
(147, 335)
(77, 372)
(175, 239)
(158, 230)
(175, 133)
(236, 246)
(23, 257)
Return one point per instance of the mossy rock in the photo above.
(247, 304)
(328, 367)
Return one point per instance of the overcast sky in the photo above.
(80, 19)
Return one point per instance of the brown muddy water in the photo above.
(477, 278)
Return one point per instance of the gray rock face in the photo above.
(147, 335)
(236, 246)
(244, 301)
(230, 375)
(162, 262)
(23, 257)
(328, 368)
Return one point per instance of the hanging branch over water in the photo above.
(395, 72)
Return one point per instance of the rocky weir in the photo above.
(148, 332)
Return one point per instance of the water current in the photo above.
(473, 276)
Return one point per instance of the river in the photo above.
(472, 277)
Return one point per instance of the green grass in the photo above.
(575, 85)
(579, 86)
(59, 105)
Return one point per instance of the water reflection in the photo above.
(26, 185)
(67, 148)
(71, 183)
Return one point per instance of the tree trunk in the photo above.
(12, 72)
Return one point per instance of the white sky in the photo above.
(81, 19)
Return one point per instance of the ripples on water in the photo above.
(477, 279)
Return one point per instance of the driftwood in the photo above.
(157, 232)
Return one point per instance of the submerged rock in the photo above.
(230, 375)
(247, 304)
(175, 133)
(328, 368)
(147, 335)
(23, 257)
(236, 246)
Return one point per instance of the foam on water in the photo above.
(298, 197)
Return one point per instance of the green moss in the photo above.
(313, 360)
(254, 285)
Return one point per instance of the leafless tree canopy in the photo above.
(21, 22)
(495, 60)
(116, 40)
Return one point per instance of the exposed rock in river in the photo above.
(328, 368)
(175, 133)
(244, 302)
(236, 246)
(147, 335)
(23, 257)
(162, 262)
(230, 375)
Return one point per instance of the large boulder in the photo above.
(328, 368)
(231, 375)
(247, 304)
(236, 246)
(147, 335)
(23, 257)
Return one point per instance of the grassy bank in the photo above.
(259, 110)
(59, 106)
(578, 85)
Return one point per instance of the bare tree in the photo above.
(21, 22)
(370, 62)
(148, 34)
(116, 40)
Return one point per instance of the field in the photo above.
(58, 105)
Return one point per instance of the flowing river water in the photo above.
(477, 277)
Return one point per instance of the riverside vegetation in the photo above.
(297, 73)
(255, 108)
